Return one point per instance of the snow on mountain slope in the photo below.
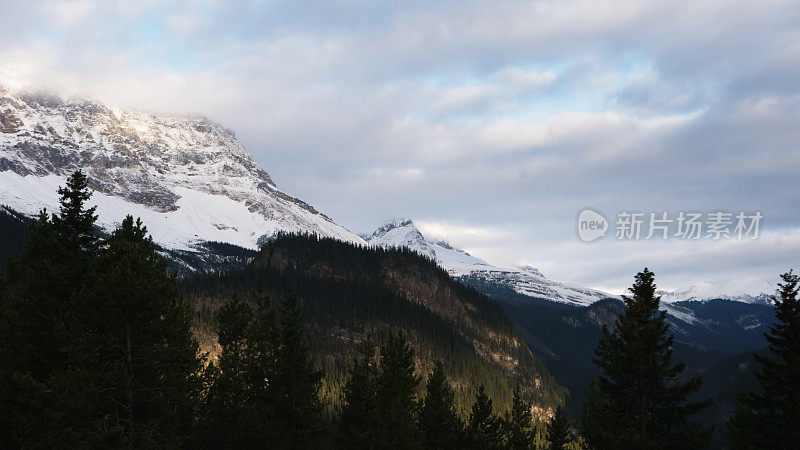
(530, 282)
(458, 262)
(747, 290)
(526, 280)
(401, 233)
(189, 179)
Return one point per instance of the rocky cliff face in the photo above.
(185, 176)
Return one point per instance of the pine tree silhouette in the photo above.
(771, 418)
(133, 335)
(518, 423)
(441, 426)
(42, 282)
(296, 382)
(396, 386)
(484, 430)
(638, 401)
(559, 431)
(358, 420)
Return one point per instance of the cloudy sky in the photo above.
(491, 124)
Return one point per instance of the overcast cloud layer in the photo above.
(490, 123)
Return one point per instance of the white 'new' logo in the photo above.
(591, 225)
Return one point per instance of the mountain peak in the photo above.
(400, 233)
(527, 280)
(392, 224)
(532, 270)
(188, 178)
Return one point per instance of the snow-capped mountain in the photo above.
(189, 179)
(401, 233)
(746, 290)
(526, 280)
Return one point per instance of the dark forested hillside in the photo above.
(351, 292)
(563, 336)
(723, 382)
(724, 325)
(717, 345)
(13, 228)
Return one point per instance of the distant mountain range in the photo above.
(192, 182)
(530, 283)
(747, 290)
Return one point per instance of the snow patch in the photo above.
(747, 290)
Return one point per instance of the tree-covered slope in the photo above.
(13, 228)
(352, 292)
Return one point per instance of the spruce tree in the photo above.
(539, 434)
(296, 383)
(518, 423)
(638, 401)
(75, 223)
(37, 299)
(484, 430)
(396, 387)
(225, 414)
(358, 419)
(770, 418)
(559, 431)
(54, 259)
(263, 343)
(41, 284)
(439, 422)
(239, 409)
(133, 335)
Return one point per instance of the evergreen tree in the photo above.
(263, 342)
(396, 387)
(539, 434)
(440, 425)
(638, 401)
(75, 224)
(559, 431)
(41, 284)
(518, 423)
(36, 301)
(225, 416)
(133, 336)
(771, 418)
(484, 429)
(239, 409)
(296, 383)
(54, 259)
(358, 419)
